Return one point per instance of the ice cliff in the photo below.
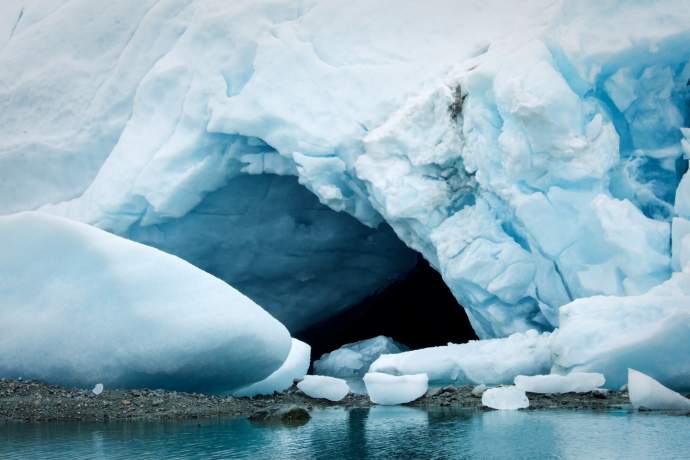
(535, 152)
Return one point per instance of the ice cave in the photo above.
(228, 197)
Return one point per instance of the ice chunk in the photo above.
(97, 389)
(479, 390)
(647, 332)
(324, 387)
(352, 360)
(647, 393)
(81, 305)
(575, 382)
(505, 398)
(390, 390)
(294, 368)
(492, 361)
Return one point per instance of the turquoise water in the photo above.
(380, 432)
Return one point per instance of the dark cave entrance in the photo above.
(418, 310)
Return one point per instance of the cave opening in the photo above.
(418, 310)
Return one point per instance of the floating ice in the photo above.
(294, 368)
(493, 361)
(505, 398)
(323, 387)
(81, 305)
(352, 360)
(97, 389)
(575, 382)
(645, 392)
(389, 390)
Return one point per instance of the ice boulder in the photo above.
(81, 306)
(609, 334)
(647, 393)
(294, 368)
(493, 361)
(389, 390)
(353, 359)
(324, 387)
(575, 382)
(505, 398)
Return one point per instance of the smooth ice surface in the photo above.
(575, 382)
(533, 153)
(352, 360)
(324, 387)
(294, 368)
(505, 398)
(492, 361)
(81, 306)
(645, 392)
(389, 390)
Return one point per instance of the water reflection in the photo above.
(380, 432)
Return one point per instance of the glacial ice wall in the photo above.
(534, 153)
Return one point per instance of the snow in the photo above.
(352, 360)
(575, 382)
(505, 398)
(493, 361)
(389, 390)
(82, 306)
(324, 387)
(645, 392)
(555, 195)
(294, 368)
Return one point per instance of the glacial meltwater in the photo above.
(379, 432)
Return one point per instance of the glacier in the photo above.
(94, 308)
(535, 155)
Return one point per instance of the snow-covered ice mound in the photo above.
(294, 368)
(352, 360)
(575, 382)
(492, 361)
(647, 393)
(389, 390)
(324, 387)
(81, 306)
(505, 398)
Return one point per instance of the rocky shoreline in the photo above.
(34, 401)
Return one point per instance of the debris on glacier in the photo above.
(493, 361)
(324, 387)
(81, 305)
(389, 390)
(352, 360)
(647, 393)
(294, 368)
(505, 398)
(575, 382)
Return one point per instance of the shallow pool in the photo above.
(380, 432)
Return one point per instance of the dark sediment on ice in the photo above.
(33, 401)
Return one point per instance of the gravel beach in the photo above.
(34, 401)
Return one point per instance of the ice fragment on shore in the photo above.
(323, 387)
(505, 398)
(390, 390)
